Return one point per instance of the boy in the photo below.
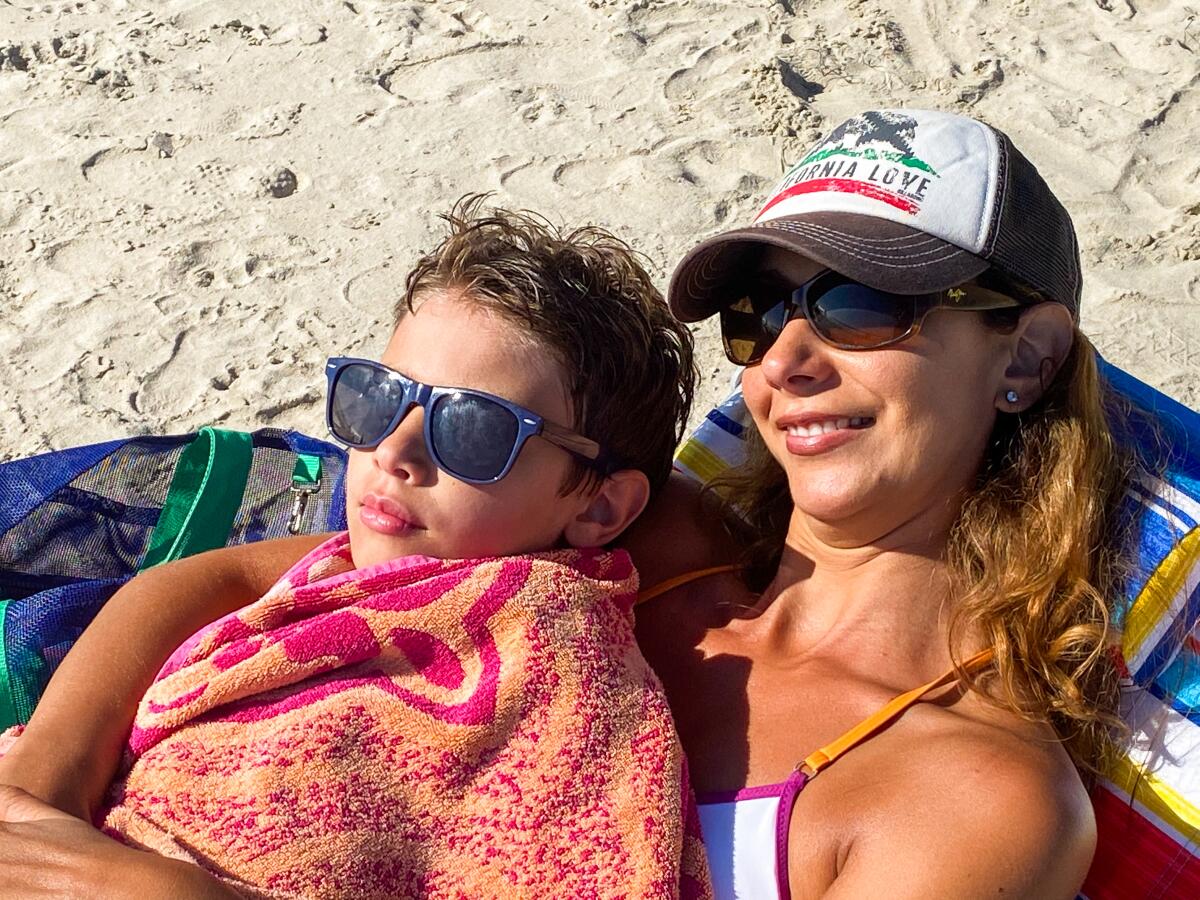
(432, 704)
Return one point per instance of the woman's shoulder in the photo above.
(679, 532)
(971, 802)
(986, 759)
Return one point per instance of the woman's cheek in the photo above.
(757, 397)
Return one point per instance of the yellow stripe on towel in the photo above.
(1171, 807)
(705, 464)
(1160, 591)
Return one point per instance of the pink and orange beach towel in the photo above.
(419, 728)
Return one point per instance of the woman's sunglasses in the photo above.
(472, 436)
(842, 312)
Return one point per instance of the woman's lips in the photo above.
(387, 516)
(814, 436)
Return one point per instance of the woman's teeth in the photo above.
(813, 429)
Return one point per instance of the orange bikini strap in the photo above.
(671, 583)
(875, 723)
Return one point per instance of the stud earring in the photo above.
(1011, 397)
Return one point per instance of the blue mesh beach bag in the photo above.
(77, 524)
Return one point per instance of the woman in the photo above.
(932, 492)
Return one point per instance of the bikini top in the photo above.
(748, 850)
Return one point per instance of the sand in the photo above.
(202, 201)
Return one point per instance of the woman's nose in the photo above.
(403, 453)
(798, 359)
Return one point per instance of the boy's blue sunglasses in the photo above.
(472, 436)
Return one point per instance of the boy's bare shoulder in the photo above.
(678, 532)
(271, 555)
(256, 565)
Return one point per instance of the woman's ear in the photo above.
(1039, 345)
(619, 500)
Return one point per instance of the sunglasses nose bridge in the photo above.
(797, 353)
(775, 321)
(409, 397)
(415, 395)
(419, 395)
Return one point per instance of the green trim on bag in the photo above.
(206, 491)
(8, 705)
(307, 471)
(23, 676)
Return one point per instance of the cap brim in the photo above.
(877, 252)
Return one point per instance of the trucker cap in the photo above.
(907, 201)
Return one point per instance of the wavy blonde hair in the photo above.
(1037, 557)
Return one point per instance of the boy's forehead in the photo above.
(452, 342)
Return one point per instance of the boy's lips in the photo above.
(386, 516)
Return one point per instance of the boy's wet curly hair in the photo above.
(583, 296)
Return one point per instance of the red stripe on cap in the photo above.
(1134, 858)
(845, 186)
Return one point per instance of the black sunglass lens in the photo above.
(855, 315)
(751, 325)
(362, 403)
(473, 436)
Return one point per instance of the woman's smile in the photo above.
(810, 434)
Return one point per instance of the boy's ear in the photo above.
(619, 500)
(1040, 346)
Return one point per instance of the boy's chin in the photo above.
(368, 548)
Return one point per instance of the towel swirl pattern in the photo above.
(419, 728)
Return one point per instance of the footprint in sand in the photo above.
(145, 169)
(226, 263)
(93, 255)
(375, 290)
(696, 80)
(215, 184)
(259, 123)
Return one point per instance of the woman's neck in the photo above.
(879, 593)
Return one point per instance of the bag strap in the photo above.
(203, 499)
(8, 703)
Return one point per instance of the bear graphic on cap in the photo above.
(894, 129)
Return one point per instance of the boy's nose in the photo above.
(402, 453)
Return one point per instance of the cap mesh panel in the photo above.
(1034, 242)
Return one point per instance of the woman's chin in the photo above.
(838, 502)
(829, 510)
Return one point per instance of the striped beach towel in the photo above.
(1148, 806)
